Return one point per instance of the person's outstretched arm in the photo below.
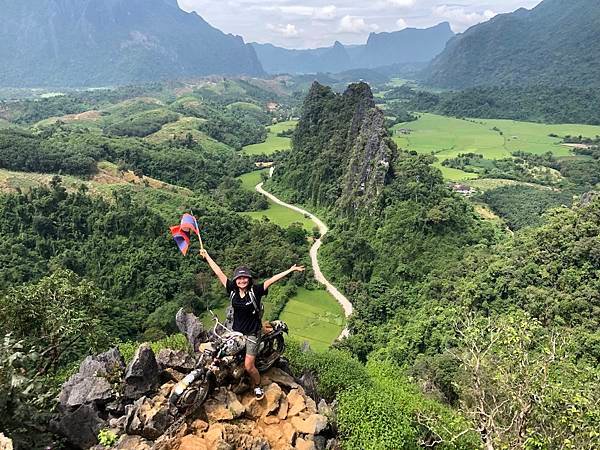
(279, 276)
(214, 266)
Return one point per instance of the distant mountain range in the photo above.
(410, 45)
(556, 43)
(101, 42)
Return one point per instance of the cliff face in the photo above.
(341, 153)
(102, 42)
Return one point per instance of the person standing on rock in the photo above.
(245, 298)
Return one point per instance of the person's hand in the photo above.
(296, 268)
(204, 253)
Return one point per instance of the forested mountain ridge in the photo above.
(500, 327)
(410, 45)
(98, 43)
(555, 43)
(348, 148)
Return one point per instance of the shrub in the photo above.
(393, 414)
(336, 370)
(175, 342)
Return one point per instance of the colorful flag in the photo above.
(181, 233)
(182, 238)
(188, 223)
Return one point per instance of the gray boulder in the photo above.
(149, 417)
(175, 359)
(142, 374)
(91, 384)
(191, 326)
(80, 425)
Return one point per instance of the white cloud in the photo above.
(320, 13)
(401, 24)
(401, 3)
(326, 12)
(459, 18)
(288, 30)
(353, 24)
(317, 22)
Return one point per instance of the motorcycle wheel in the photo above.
(195, 394)
(273, 349)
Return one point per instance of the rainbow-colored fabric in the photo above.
(182, 232)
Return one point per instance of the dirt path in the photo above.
(323, 229)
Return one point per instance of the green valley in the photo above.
(447, 137)
(273, 143)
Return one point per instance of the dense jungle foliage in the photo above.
(463, 336)
(501, 328)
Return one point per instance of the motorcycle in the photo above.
(221, 359)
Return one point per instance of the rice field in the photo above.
(315, 317)
(447, 137)
(273, 142)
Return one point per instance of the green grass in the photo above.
(312, 316)
(277, 214)
(315, 317)
(273, 142)
(487, 184)
(447, 137)
(244, 106)
(181, 128)
(534, 137)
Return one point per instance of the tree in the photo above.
(522, 388)
(60, 314)
(22, 395)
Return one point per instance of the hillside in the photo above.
(555, 43)
(410, 45)
(104, 42)
(344, 138)
(472, 313)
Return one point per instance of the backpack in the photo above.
(229, 313)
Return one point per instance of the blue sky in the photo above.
(314, 23)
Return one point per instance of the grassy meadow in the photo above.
(447, 137)
(314, 316)
(273, 142)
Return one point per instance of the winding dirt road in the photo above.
(323, 229)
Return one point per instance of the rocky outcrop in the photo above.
(87, 396)
(342, 154)
(142, 374)
(94, 399)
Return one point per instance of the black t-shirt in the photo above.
(246, 319)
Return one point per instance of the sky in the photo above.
(319, 23)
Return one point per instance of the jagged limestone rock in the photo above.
(191, 327)
(342, 154)
(92, 383)
(175, 359)
(142, 374)
(369, 165)
(225, 421)
(80, 425)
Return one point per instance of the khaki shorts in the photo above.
(252, 343)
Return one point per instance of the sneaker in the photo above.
(259, 393)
